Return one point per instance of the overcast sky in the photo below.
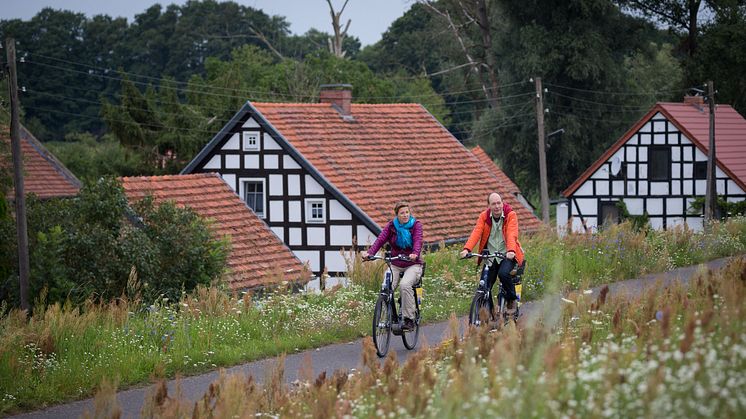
(370, 18)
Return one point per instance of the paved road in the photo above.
(347, 355)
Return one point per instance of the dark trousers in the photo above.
(502, 271)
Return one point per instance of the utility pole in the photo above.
(711, 190)
(20, 197)
(542, 152)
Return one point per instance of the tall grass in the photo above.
(64, 352)
(676, 352)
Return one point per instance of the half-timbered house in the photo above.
(659, 167)
(325, 176)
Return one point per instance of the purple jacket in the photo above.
(388, 235)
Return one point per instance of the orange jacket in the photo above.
(481, 232)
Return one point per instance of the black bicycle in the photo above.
(385, 318)
(482, 310)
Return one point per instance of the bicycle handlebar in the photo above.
(387, 259)
(497, 255)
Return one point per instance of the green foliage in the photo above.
(724, 208)
(638, 222)
(93, 246)
(91, 159)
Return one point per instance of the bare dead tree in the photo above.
(474, 13)
(335, 43)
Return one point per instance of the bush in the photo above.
(95, 246)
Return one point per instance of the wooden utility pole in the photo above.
(711, 190)
(542, 152)
(20, 197)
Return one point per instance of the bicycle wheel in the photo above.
(479, 305)
(382, 326)
(410, 337)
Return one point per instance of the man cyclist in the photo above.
(497, 230)
(404, 236)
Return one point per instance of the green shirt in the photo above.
(496, 241)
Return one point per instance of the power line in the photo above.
(255, 92)
(606, 92)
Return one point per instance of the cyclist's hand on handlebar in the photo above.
(510, 255)
(413, 257)
(367, 257)
(464, 253)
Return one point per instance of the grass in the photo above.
(66, 352)
(675, 352)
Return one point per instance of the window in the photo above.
(315, 210)
(700, 170)
(250, 140)
(254, 196)
(608, 213)
(659, 163)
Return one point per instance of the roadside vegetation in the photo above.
(670, 352)
(65, 351)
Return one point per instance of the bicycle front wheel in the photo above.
(479, 312)
(382, 326)
(410, 337)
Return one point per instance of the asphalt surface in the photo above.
(347, 356)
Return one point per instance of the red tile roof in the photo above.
(258, 257)
(694, 122)
(44, 175)
(506, 186)
(391, 152)
(730, 134)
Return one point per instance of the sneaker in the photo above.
(408, 325)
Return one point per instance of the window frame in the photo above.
(703, 170)
(309, 202)
(654, 150)
(245, 143)
(263, 182)
(602, 218)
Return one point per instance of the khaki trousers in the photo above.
(411, 275)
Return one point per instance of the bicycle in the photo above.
(482, 303)
(385, 318)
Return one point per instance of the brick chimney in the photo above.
(339, 95)
(698, 101)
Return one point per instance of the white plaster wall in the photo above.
(279, 232)
(659, 188)
(270, 143)
(336, 261)
(214, 163)
(271, 161)
(275, 185)
(733, 188)
(340, 235)
(313, 187)
(310, 256)
(294, 185)
(364, 236)
(232, 161)
(674, 206)
(602, 188)
(587, 205)
(230, 180)
(234, 143)
(251, 161)
(289, 163)
(695, 223)
(634, 205)
(337, 211)
(276, 213)
(295, 236)
(585, 189)
(655, 206)
(250, 123)
(316, 236)
(294, 211)
(617, 187)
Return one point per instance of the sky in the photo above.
(370, 18)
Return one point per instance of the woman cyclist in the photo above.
(404, 236)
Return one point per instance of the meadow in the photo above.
(66, 352)
(669, 352)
